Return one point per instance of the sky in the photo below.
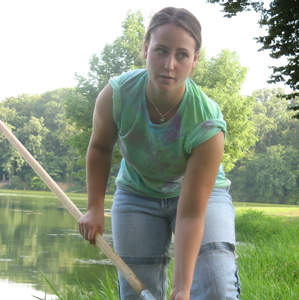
(44, 43)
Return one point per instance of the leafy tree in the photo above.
(10, 160)
(270, 176)
(120, 56)
(36, 184)
(295, 108)
(223, 71)
(39, 122)
(60, 158)
(281, 20)
(271, 172)
(270, 117)
(31, 135)
(221, 77)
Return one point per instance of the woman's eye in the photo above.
(161, 51)
(182, 55)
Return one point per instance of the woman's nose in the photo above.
(169, 63)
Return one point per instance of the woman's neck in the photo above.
(162, 106)
(164, 100)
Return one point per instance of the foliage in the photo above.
(16, 184)
(224, 71)
(36, 184)
(281, 20)
(123, 54)
(221, 77)
(268, 244)
(39, 123)
(261, 153)
(270, 248)
(295, 108)
(270, 173)
(10, 161)
(254, 226)
(104, 290)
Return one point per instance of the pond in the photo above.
(38, 239)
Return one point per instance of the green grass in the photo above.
(269, 209)
(103, 290)
(268, 256)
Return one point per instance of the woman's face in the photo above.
(170, 57)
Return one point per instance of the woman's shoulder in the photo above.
(200, 99)
(130, 77)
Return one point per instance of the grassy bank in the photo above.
(268, 251)
(269, 255)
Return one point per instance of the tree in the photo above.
(60, 159)
(269, 177)
(39, 122)
(270, 173)
(10, 159)
(221, 77)
(32, 134)
(222, 71)
(281, 19)
(270, 117)
(120, 56)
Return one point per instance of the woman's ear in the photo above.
(145, 48)
(196, 55)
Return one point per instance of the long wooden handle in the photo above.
(76, 213)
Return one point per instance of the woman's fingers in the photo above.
(86, 230)
(89, 225)
(91, 237)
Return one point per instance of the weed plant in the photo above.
(101, 291)
(268, 259)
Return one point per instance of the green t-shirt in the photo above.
(155, 155)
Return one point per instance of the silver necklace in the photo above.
(162, 120)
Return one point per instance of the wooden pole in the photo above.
(76, 213)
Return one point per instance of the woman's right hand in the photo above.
(91, 223)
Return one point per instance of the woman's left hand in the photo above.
(180, 295)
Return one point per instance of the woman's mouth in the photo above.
(166, 77)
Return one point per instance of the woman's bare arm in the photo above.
(199, 180)
(98, 164)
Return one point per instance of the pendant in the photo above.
(162, 120)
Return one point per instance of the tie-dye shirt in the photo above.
(155, 155)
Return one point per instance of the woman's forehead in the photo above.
(170, 35)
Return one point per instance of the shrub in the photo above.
(16, 184)
(36, 184)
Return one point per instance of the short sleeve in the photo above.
(124, 87)
(116, 108)
(203, 132)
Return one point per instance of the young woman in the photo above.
(171, 136)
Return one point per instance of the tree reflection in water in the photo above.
(38, 235)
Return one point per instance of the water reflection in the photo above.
(38, 235)
(13, 291)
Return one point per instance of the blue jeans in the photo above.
(142, 232)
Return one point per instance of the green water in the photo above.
(38, 236)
